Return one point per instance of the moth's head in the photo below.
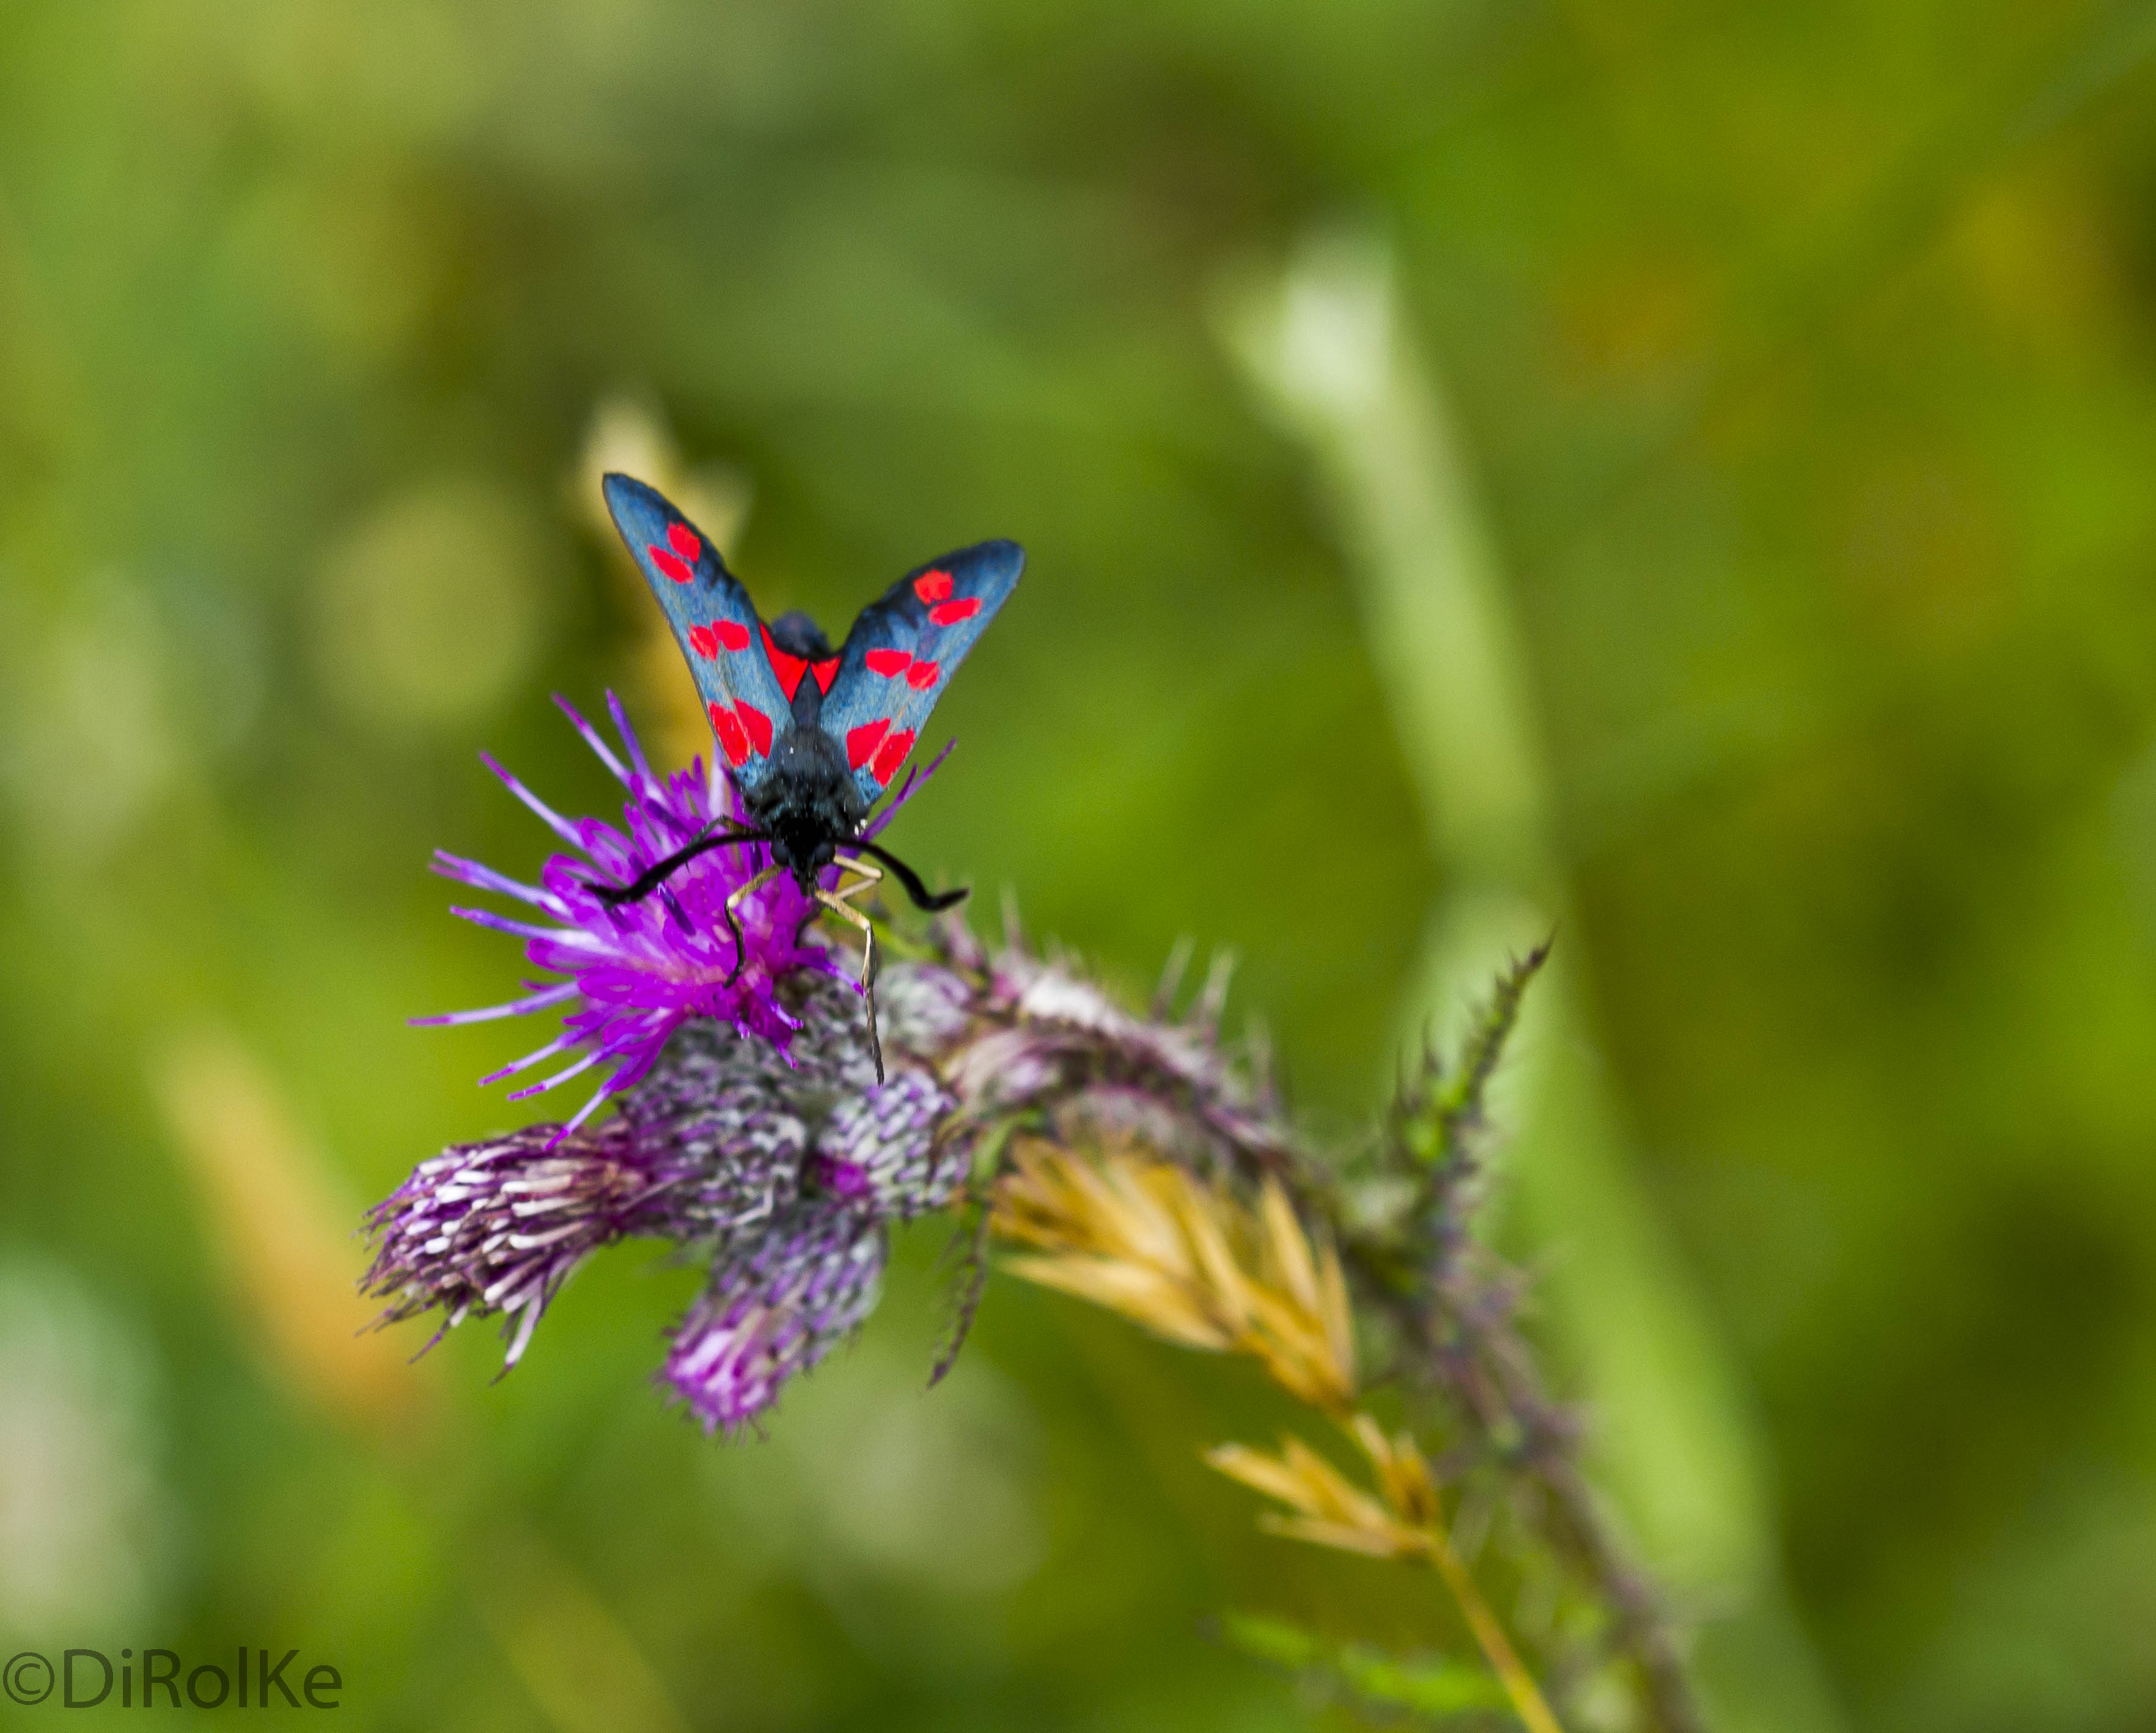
(802, 845)
(808, 805)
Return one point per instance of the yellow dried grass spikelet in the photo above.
(1409, 1487)
(1407, 1522)
(1149, 1241)
(1190, 1263)
(1332, 1511)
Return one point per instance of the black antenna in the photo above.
(654, 876)
(912, 880)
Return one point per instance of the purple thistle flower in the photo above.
(727, 1144)
(637, 972)
(777, 1303)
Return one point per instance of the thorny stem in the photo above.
(1513, 1398)
(1455, 1313)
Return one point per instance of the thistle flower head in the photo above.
(781, 1168)
(778, 1302)
(498, 1226)
(634, 973)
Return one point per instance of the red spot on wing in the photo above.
(704, 641)
(891, 754)
(683, 540)
(949, 613)
(789, 669)
(825, 672)
(733, 738)
(933, 585)
(922, 675)
(732, 634)
(757, 724)
(669, 562)
(890, 663)
(861, 742)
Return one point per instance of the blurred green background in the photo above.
(1792, 373)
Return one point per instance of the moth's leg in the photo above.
(846, 911)
(733, 922)
(871, 876)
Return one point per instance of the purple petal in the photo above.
(592, 738)
(582, 1065)
(514, 1007)
(536, 1056)
(484, 878)
(552, 820)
